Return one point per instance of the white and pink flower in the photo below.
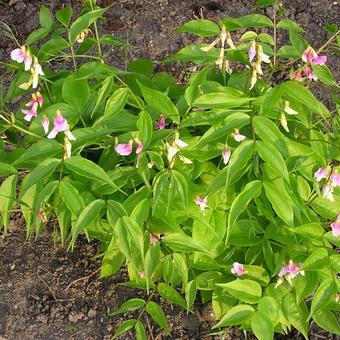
(289, 272)
(335, 179)
(226, 153)
(238, 269)
(202, 202)
(60, 124)
(22, 54)
(321, 173)
(238, 137)
(45, 123)
(252, 51)
(161, 124)
(309, 55)
(336, 228)
(124, 149)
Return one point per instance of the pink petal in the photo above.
(18, 55)
(60, 123)
(320, 174)
(310, 74)
(139, 147)
(335, 228)
(226, 153)
(238, 269)
(124, 149)
(319, 60)
(45, 123)
(154, 238)
(201, 202)
(335, 179)
(251, 54)
(298, 75)
(40, 99)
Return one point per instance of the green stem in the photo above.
(275, 33)
(73, 58)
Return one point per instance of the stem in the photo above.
(48, 91)
(328, 42)
(274, 33)
(97, 36)
(73, 58)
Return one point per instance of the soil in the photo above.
(49, 293)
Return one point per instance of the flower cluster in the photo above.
(23, 54)
(309, 56)
(36, 101)
(332, 181)
(288, 272)
(256, 50)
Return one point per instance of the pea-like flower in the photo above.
(174, 148)
(336, 228)
(252, 51)
(309, 55)
(288, 109)
(321, 173)
(82, 36)
(238, 269)
(161, 124)
(226, 153)
(32, 112)
(45, 123)
(60, 124)
(22, 54)
(202, 202)
(124, 149)
(335, 179)
(327, 192)
(289, 272)
(310, 74)
(36, 71)
(238, 137)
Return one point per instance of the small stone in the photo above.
(75, 316)
(92, 313)
(12, 267)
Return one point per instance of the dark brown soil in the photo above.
(48, 293)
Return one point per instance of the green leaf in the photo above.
(262, 327)
(190, 293)
(288, 24)
(7, 200)
(238, 162)
(124, 327)
(202, 27)
(76, 92)
(324, 74)
(151, 261)
(252, 20)
(71, 197)
(264, 3)
(37, 35)
(273, 157)
(6, 169)
(157, 314)
(83, 22)
(220, 100)
(91, 213)
(280, 201)
(116, 102)
(326, 320)
(145, 128)
(129, 306)
(266, 38)
(299, 93)
(160, 101)
(135, 232)
(193, 90)
(45, 18)
(171, 295)
(296, 314)
(43, 170)
(140, 331)
(251, 190)
(51, 48)
(39, 152)
(317, 260)
(64, 15)
(309, 230)
(236, 316)
(288, 51)
(88, 169)
(181, 243)
(112, 260)
(323, 296)
(245, 290)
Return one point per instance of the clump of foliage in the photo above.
(224, 188)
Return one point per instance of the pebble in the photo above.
(92, 313)
(75, 316)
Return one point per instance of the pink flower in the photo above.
(298, 75)
(60, 125)
(321, 173)
(310, 74)
(336, 228)
(201, 202)
(335, 179)
(42, 216)
(142, 274)
(161, 124)
(238, 137)
(154, 238)
(226, 153)
(22, 55)
(252, 51)
(238, 269)
(327, 192)
(124, 149)
(309, 55)
(289, 272)
(32, 112)
(37, 98)
(45, 123)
